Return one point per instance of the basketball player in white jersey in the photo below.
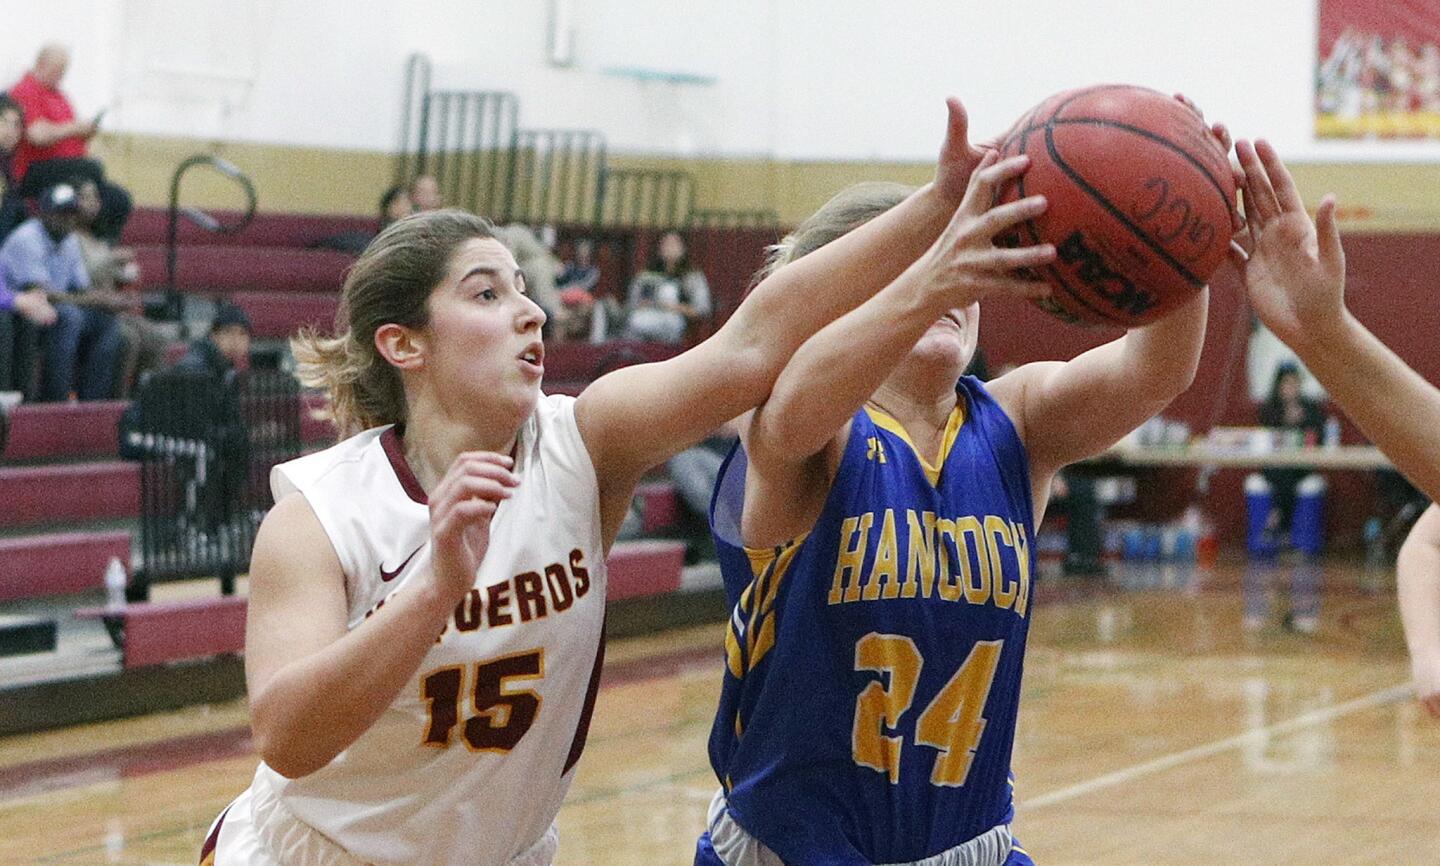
(1294, 273)
(427, 597)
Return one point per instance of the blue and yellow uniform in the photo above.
(873, 665)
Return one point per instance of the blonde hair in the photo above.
(390, 283)
(848, 210)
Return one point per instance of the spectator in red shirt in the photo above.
(54, 149)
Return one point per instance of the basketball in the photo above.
(1139, 196)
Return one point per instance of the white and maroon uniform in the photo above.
(470, 763)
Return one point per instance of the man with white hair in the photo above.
(55, 146)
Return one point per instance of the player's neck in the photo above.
(923, 413)
(434, 439)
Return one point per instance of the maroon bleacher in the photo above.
(148, 225)
(639, 568)
(42, 565)
(172, 631)
(659, 505)
(35, 495)
(63, 430)
(214, 269)
(273, 314)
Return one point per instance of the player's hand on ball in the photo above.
(958, 157)
(461, 508)
(1222, 137)
(965, 262)
(1293, 269)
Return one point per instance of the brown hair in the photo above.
(848, 210)
(390, 283)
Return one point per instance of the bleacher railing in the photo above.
(206, 447)
(174, 302)
(646, 198)
(555, 176)
(472, 143)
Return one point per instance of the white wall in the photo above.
(793, 79)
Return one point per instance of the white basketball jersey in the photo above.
(471, 762)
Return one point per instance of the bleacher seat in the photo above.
(214, 268)
(640, 568)
(148, 225)
(55, 430)
(275, 314)
(60, 563)
(38, 495)
(154, 633)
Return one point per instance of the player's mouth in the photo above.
(533, 358)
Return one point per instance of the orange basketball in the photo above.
(1139, 198)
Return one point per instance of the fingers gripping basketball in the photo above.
(1140, 198)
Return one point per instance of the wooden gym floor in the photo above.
(1155, 729)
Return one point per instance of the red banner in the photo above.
(1378, 70)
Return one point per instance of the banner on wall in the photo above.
(1378, 70)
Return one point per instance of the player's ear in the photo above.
(402, 347)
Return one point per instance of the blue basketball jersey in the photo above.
(873, 665)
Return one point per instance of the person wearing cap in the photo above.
(80, 350)
(226, 348)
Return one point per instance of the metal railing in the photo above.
(555, 176)
(174, 303)
(646, 198)
(206, 445)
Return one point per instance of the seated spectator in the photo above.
(425, 193)
(80, 351)
(669, 297)
(226, 348)
(395, 204)
(17, 359)
(113, 273)
(12, 128)
(54, 147)
(1272, 496)
(575, 288)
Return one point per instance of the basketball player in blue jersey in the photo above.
(1293, 269)
(875, 529)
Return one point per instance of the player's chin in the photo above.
(944, 344)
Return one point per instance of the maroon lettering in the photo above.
(529, 595)
(577, 568)
(561, 596)
(469, 613)
(498, 600)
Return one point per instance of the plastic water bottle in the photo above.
(1332, 432)
(115, 582)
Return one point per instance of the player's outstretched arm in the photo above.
(1418, 575)
(314, 686)
(636, 417)
(1294, 272)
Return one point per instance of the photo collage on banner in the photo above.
(1378, 70)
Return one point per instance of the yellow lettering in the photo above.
(882, 570)
(851, 558)
(920, 564)
(949, 588)
(1022, 553)
(997, 533)
(971, 537)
